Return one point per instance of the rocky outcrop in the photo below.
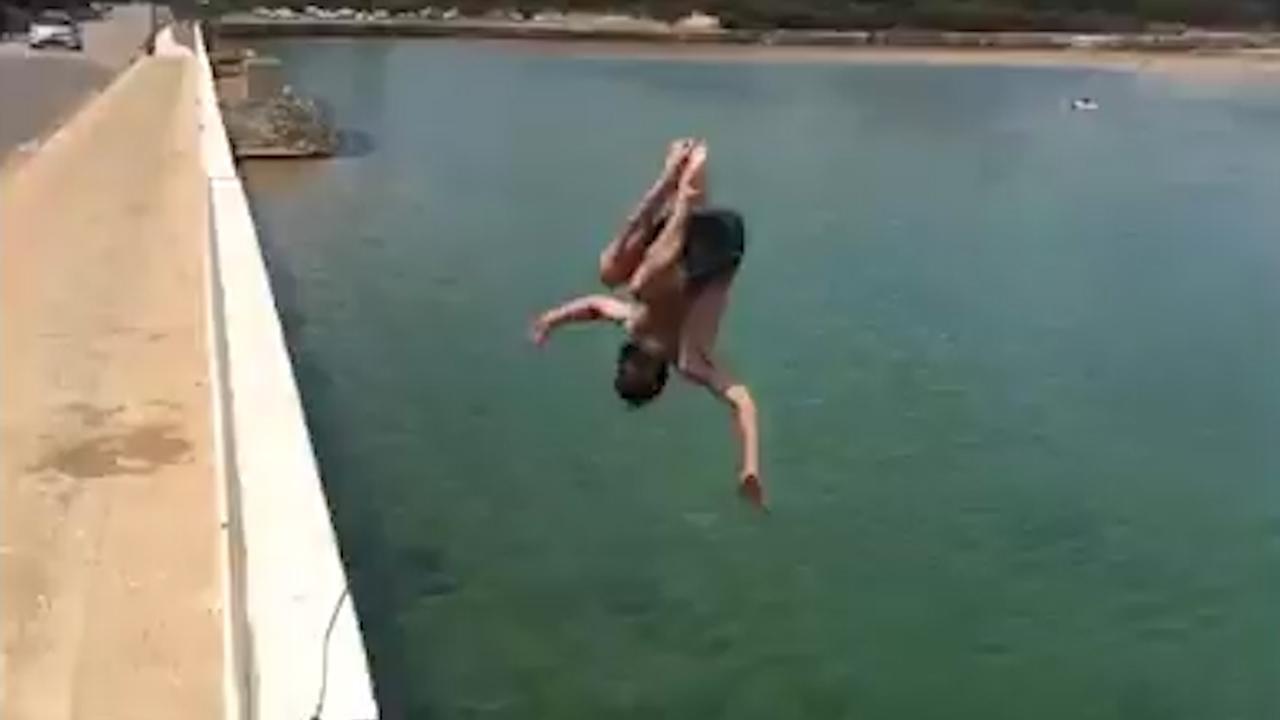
(285, 125)
(263, 116)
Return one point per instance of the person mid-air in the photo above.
(676, 257)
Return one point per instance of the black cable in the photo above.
(324, 654)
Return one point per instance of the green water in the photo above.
(1019, 372)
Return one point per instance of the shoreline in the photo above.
(1247, 58)
(1195, 53)
(1199, 63)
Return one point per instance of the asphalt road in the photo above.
(39, 89)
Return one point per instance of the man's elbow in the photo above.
(702, 370)
(695, 367)
(740, 398)
(684, 364)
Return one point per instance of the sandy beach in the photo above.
(1240, 62)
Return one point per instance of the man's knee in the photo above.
(612, 273)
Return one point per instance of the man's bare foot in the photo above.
(677, 155)
(693, 175)
(695, 165)
(752, 491)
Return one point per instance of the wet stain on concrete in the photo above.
(137, 451)
(91, 415)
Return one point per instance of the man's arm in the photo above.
(702, 368)
(663, 253)
(589, 308)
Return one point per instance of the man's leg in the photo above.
(623, 254)
(711, 265)
(660, 257)
(665, 252)
(702, 323)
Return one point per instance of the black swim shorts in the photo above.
(714, 248)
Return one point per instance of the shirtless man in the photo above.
(677, 259)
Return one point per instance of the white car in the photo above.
(54, 27)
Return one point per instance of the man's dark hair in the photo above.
(640, 376)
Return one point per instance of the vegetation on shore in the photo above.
(1083, 15)
(1067, 15)
(1070, 15)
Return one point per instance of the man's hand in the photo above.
(751, 489)
(539, 330)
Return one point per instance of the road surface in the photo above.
(41, 88)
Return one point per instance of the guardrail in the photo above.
(292, 641)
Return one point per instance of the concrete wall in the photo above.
(292, 632)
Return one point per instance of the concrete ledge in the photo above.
(296, 638)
